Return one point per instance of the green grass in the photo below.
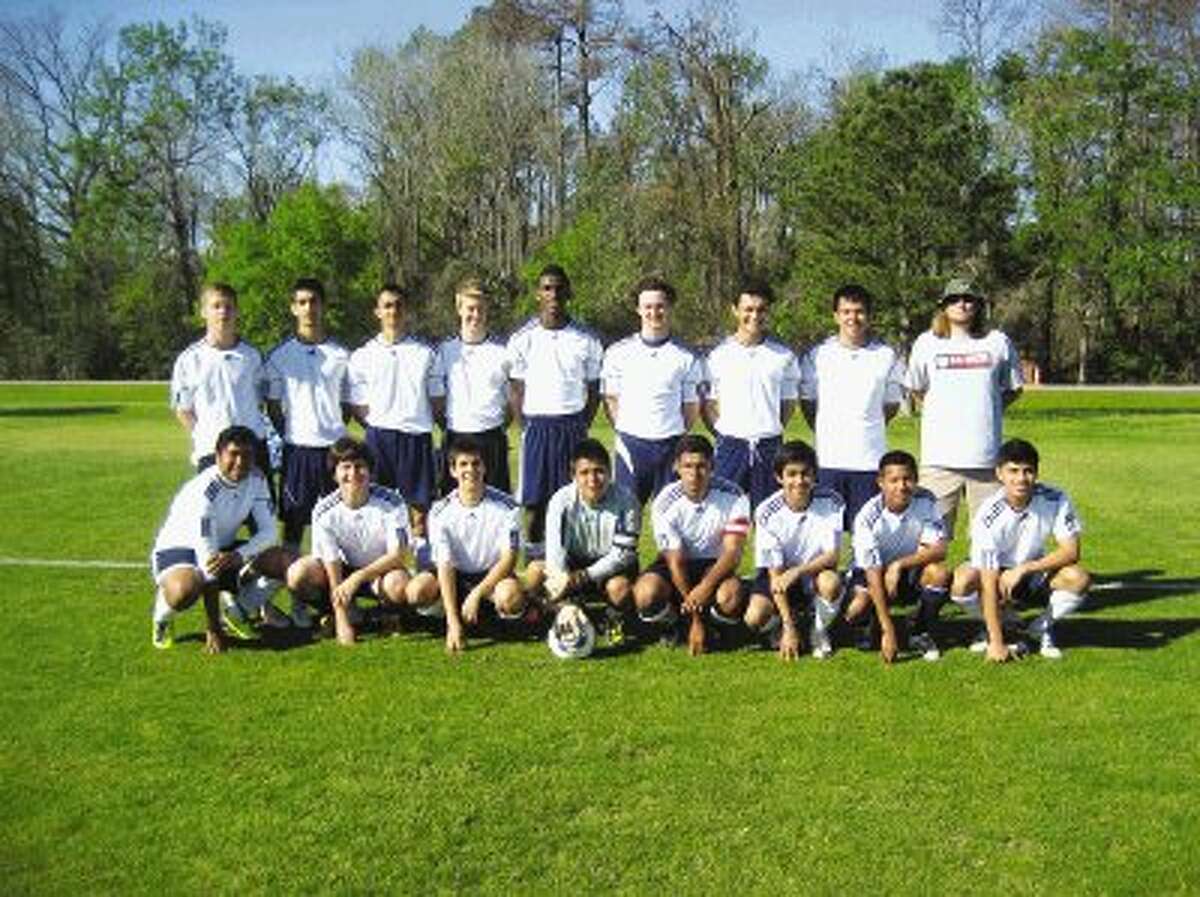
(391, 768)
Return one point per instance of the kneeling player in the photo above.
(797, 535)
(700, 526)
(899, 547)
(1008, 564)
(592, 529)
(360, 535)
(196, 553)
(475, 533)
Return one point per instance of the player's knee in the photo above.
(935, 575)
(759, 611)
(535, 574)
(649, 590)
(181, 587)
(394, 587)
(619, 591)
(422, 590)
(828, 585)
(508, 597)
(1072, 578)
(965, 581)
(729, 601)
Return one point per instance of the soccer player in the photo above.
(592, 530)
(360, 536)
(1009, 563)
(700, 527)
(476, 367)
(219, 380)
(651, 395)
(197, 554)
(964, 376)
(308, 399)
(555, 378)
(797, 533)
(399, 388)
(899, 548)
(475, 533)
(851, 385)
(751, 394)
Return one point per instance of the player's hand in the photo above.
(696, 636)
(891, 579)
(695, 601)
(214, 642)
(346, 590)
(1009, 580)
(342, 626)
(470, 608)
(557, 584)
(454, 639)
(998, 652)
(220, 561)
(789, 643)
(887, 645)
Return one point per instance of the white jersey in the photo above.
(1002, 536)
(652, 382)
(208, 511)
(222, 387)
(784, 538)
(471, 538)
(359, 536)
(396, 382)
(850, 386)
(476, 383)
(605, 537)
(312, 380)
(555, 365)
(964, 381)
(754, 381)
(881, 536)
(698, 528)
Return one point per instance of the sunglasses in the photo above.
(965, 300)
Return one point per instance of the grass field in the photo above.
(393, 769)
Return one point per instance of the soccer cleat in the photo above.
(162, 634)
(274, 618)
(234, 618)
(302, 616)
(922, 643)
(979, 644)
(822, 647)
(1047, 648)
(1038, 626)
(614, 626)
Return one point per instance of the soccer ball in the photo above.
(572, 636)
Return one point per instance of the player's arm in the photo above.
(264, 525)
(214, 637)
(275, 413)
(448, 586)
(677, 568)
(1010, 395)
(989, 601)
(357, 412)
(593, 401)
(1065, 553)
(808, 408)
(788, 576)
(611, 405)
(787, 407)
(889, 410)
(186, 418)
(789, 641)
(691, 414)
(702, 593)
(878, 594)
(710, 412)
(926, 553)
(516, 399)
(437, 405)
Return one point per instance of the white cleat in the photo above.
(1048, 649)
(302, 616)
(822, 647)
(923, 644)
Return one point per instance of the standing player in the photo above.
(964, 376)
(752, 389)
(308, 398)
(476, 368)
(1009, 563)
(398, 390)
(196, 553)
(360, 536)
(592, 530)
(850, 387)
(899, 547)
(797, 534)
(219, 380)
(700, 527)
(650, 393)
(555, 377)
(475, 532)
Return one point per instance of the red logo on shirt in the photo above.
(963, 360)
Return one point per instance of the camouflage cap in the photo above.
(960, 286)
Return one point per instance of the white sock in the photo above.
(1063, 603)
(254, 595)
(824, 612)
(162, 610)
(969, 604)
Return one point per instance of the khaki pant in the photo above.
(950, 484)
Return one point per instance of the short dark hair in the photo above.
(898, 458)
(554, 270)
(401, 293)
(1018, 451)
(309, 285)
(464, 445)
(795, 451)
(693, 444)
(222, 289)
(347, 448)
(853, 292)
(236, 435)
(591, 450)
(654, 283)
(755, 286)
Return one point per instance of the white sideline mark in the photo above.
(57, 562)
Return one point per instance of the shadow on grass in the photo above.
(1086, 632)
(1137, 586)
(63, 411)
(1043, 414)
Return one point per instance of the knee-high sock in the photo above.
(969, 604)
(931, 603)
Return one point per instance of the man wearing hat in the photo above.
(964, 375)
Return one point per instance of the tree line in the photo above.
(1054, 161)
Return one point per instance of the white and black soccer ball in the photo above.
(572, 636)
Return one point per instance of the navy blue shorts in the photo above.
(644, 466)
(546, 446)
(908, 592)
(800, 592)
(404, 462)
(1033, 589)
(750, 464)
(696, 568)
(165, 558)
(306, 478)
(856, 487)
(495, 459)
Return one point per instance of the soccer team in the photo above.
(439, 534)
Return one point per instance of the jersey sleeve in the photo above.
(666, 532)
(1067, 524)
(918, 376)
(693, 379)
(933, 529)
(737, 523)
(610, 372)
(865, 545)
(984, 553)
(712, 374)
(359, 377)
(893, 387)
(324, 543)
(808, 376)
(510, 540)
(768, 550)
(789, 386)
(275, 377)
(1012, 379)
(346, 387)
(262, 512)
(435, 376)
(829, 534)
(439, 538)
(593, 360)
(182, 392)
(518, 361)
(623, 551)
(556, 548)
